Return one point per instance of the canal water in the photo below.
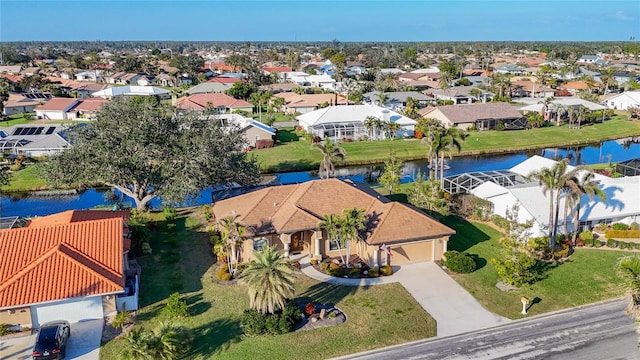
(32, 204)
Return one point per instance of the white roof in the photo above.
(130, 90)
(565, 102)
(634, 96)
(533, 163)
(351, 113)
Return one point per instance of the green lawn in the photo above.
(588, 275)
(297, 155)
(181, 261)
(25, 180)
(16, 119)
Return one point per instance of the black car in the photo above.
(51, 342)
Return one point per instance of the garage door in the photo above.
(411, 253)
(73, 310)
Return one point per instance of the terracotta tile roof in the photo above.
(575, 85)
(72, 216)
(47, 263)
(276, 69)
(469, 113)
(290, 208)
(89, 106)
(57, 104)
(225, 80)
(12, 78)
(200, 101)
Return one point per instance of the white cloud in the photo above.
(621, 16)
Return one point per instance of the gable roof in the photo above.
(72, 216)
(469, 113)
(48, 263)
(200, 101)
(57, 104)
(297, 207)
(351, 113)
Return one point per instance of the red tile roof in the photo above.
(200, 101)
(225, 80)
(276, 69)
(47, 263)
(71, 216)
(12, 78)
(57, 104)
(90, 106)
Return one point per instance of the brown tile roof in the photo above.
(225, 80)
(575, 85)
(276, 69)
(200, 101)
(290, 208)
(90, 106)
(20, 100)
(57, 104)
(469, 113)
(47, 263)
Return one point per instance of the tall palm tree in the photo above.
(372, 123)
(353, 222)
(331, 225)
(546, 105)
(584, 185)
(270, 280)
(232, 232)
(391, 129)
(329, 151)
(628, 269)
(581, 114)
(451, 140)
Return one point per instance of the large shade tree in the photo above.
(270, 280)
(147, 151)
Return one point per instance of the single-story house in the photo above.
(591, 59)
(252, 130)
(484, 116)
(89, 75)
(132, 90)
(460, 94)
(20, 104)
(11, 69)
(209, 87)
(288, 217)
(68, 266)
(33, 139)
(124, 78)
(86, 108)
(55, 109)
(621, 204)
(221, 102)
(348, 122)
(84, 90)
(305, 103)
(397, 100)
(624, 100)
(565, 102)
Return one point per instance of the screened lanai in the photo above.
(468, 181)
(629, 167)
(10, 145)
(338, 130)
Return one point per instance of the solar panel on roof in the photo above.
(50, 130)
(17, 131)
(31, 131)
(39, 130)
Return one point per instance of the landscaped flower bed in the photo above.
(357, 268)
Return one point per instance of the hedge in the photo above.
(622, 234)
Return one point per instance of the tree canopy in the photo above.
(148, 151)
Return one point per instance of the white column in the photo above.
(316, 247)
(286, 250)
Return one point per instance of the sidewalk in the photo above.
(453, 308)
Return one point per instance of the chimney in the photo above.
(385, 115)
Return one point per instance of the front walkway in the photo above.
(453, 308)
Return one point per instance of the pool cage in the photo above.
(12, 145)
(338, 131)
(629, 167)
(468, 181)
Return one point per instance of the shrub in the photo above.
(620, 226)
(580, 242)
(272, 324)
(611, 243)
(5, 329)
(560, 251)
(120, 319)
(602, 226)
(450, 254)
(500, 221)
(169, 213)
(253, 322)
(634, 226)
(313, 262)
(336, 271)
(386, 270)
(623, 245)
(354, 272)
(309, 309)
(623, 234)
(176, 307)
(264, 144)
(374, 272)
(586, 235)
(462, 263)
(637, 246)
(597, 243)
(324, 266)
(223, 273)
(15, 167)
(256, 323)
(589, 243)
(146, 248)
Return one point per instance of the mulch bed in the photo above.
(314, 321)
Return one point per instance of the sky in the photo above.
(313, 20)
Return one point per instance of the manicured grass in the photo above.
(588, 275)
(292, 156)
(25, 180)
(16, 119)
(181, 261)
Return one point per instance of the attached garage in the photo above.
(412, 253)
(72, 310)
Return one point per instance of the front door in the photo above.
(296, 242)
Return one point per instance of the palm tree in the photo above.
(371, 123)
(232, 233)
(628, 269)
(559, 109)
(585, 185)
(391, 129)
(546, 105)
(329, 151)
(450, 139)
(269, 279)
(331, 225)
(353, 222)
(167, 342)
(581, 114)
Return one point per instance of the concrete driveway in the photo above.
(84, 343)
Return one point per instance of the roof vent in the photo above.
(233, 212)
(275, 204)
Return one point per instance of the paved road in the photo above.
(598, 332)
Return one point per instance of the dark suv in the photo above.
(51, 342)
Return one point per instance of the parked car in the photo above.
(51, 342)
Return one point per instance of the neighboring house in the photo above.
(229, 81)
(528, 88)
(252, 130)
(124, 78)
(86, 109)
(460, 94)
(304, 79)
(208, 87)
(68, 266)
(268, 70)
(55, 109)
(591, 60)
(131, 90)
(85, 90)
(575, 87)
(165, 80)
(397, 100)
(288, 217)
(89, 75)
(11, 69)
(511, 69)
(486, 116)
(348, 122)
(145, 80)
(223, 103)
(30, 71)
(20, 104)
(33, 140)
(624, 100)
(302, 104)
(624, 77)
(621, 204)
(564, 102)
(279, 88)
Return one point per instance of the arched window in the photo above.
(260, 244)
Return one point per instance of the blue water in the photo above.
(614, 151)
